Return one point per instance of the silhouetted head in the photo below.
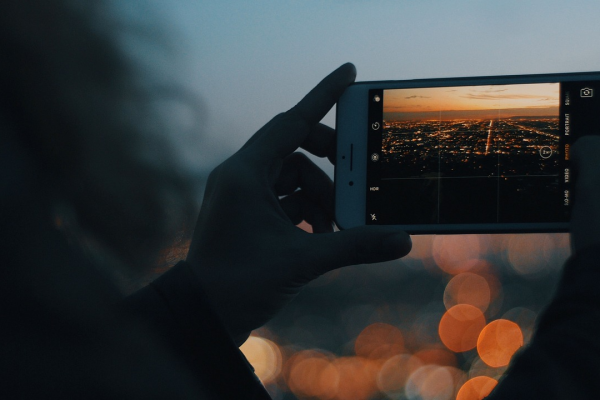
(73, 103)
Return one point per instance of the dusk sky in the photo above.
(501, 100)
(250, 60)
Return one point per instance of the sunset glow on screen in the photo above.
(472, 101)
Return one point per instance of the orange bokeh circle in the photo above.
(357, 377)
(498, 341)
(476, 388)
(264, 356)
(460, 327)
(454, 254)
(430, 382)
(313, 374)
(437, 356)
(468, 288)
(379, 340)
(394, 373)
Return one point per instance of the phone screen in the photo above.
(475, 154)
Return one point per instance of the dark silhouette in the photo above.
(87, 188)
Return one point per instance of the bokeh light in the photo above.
(430, 382)
(424, 331)
(480, 368)
(395, 372)
(312, 374)
(379, 340)
(467, 288)
(421, 247)
(265, 356)
(460, 326)
(498, 341)
(476, 388)
(358, 377)
(460, 377)
(530, 254)
(438, 356)
(523, 317)
(419, 334)
(456, 253)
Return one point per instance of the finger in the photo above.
(292, 128)
(261, 132)
(362, 245)
(585, 176)
(585, 217)
(321, 142)
(584, 153)
(317, 103)
(300, 208)
(320, 222)
(293, 207)
(298, 171)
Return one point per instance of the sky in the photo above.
(540, 99)
(250, 60)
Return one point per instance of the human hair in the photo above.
(72, 98)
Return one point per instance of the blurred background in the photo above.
(444, 322)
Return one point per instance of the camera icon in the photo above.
(587, 92)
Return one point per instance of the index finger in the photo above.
(317, 103)
(289, 131)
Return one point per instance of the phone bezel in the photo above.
(351, 157)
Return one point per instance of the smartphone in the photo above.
(462, 155)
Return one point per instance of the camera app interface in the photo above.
(473, 154)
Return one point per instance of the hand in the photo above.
(585, 219)
(247, 252)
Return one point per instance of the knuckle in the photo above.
(294, 117)
(278, 119)
(231, 173)
(361, 253)
(352, 252)
(299, 158)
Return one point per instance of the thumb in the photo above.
(362, 245)
(585, 217)
(584, 156)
